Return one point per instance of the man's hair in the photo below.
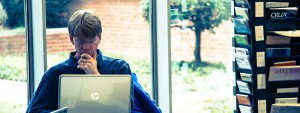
(84, 24)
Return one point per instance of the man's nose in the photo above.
(86, 46)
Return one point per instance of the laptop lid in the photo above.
(61, 110)
(94, 93)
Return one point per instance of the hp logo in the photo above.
(95, 96)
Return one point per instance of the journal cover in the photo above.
(285, 63)
(276, 4)
(242, 3)
(242, 12)
(246, 77)
(293, 100)
(272, 40)
(282, 13)
(287, 90)
(283, 73)
(285, 108)
(241, 39)
(243, 61)
(243, 87)
(278, 52)
(245, 109)
(292, 33)
(241, 51)
(243, 99)
(241, 25)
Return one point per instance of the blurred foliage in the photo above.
(13, 67)
(205, 14)
(202, 69)
(146, 9)
(15, 13)
(3, 15)
(9, 107)
(58, 13)
(190, 73)
(218, 105)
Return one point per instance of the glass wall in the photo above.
(201, 56)
(125, 32)
(13, 78)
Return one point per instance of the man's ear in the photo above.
(72, 40)
(99, 38)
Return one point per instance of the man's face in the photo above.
(85, 45)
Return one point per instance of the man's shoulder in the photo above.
(112, 60)
(59, 67)
(111, 65)
(116, 64)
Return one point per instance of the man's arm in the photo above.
(124, 68)
(45, 98)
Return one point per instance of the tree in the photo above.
(15, 13)
(57, 12)
(204, 14)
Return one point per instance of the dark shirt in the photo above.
(45, 98)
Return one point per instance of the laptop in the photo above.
(61, 110)
(94, 93)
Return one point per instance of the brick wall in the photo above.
(214, 47)
(12, 44)
(58, 40)
(127, 33)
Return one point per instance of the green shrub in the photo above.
(202, 69)
(3, 15)
(12, 107)
(58, 13)
(13, 68)
(15, 13)
(218, 105)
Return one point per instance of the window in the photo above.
(125, 33)
(13, 78)
(201, 78)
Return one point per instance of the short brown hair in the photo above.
(84, 24)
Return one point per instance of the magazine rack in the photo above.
(260, 24)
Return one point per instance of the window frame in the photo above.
(36, 53)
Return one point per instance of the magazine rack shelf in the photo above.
(257, 23)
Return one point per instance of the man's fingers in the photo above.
(86, 56)
(88, 63)
(83, 66)
(95, 55)
(82, 60)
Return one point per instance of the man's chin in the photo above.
(84, 53)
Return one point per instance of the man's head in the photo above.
(85, 32)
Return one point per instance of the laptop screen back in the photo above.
(95, 94)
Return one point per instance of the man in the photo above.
(85, 34)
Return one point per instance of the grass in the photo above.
(9, 107)
(13, 67)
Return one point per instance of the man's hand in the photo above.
(88, 63)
